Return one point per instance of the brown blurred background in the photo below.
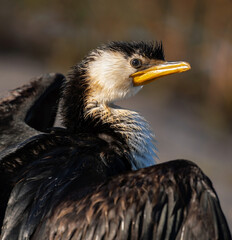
(191, 113)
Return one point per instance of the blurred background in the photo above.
(191, 113)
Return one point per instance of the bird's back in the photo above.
(66, 194)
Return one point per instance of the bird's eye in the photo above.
(136, 63)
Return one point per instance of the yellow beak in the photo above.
(165, 68)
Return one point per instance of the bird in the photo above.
(96, 176)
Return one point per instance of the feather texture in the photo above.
(77, 182)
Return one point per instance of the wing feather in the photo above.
(174, 200)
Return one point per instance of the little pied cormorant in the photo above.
(95, 178)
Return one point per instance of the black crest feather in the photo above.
(151, 50)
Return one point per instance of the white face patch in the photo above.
(109, 76)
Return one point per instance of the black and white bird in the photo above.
(96, 177)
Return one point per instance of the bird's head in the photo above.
(119, 69)
(109, 73)
(112, 72)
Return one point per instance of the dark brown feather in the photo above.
(174, 200)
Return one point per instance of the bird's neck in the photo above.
(130, 126)
(83, 113)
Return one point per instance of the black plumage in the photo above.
(77, 182)
(150, 50)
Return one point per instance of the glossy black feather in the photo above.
(29, 107)
(41, 116)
